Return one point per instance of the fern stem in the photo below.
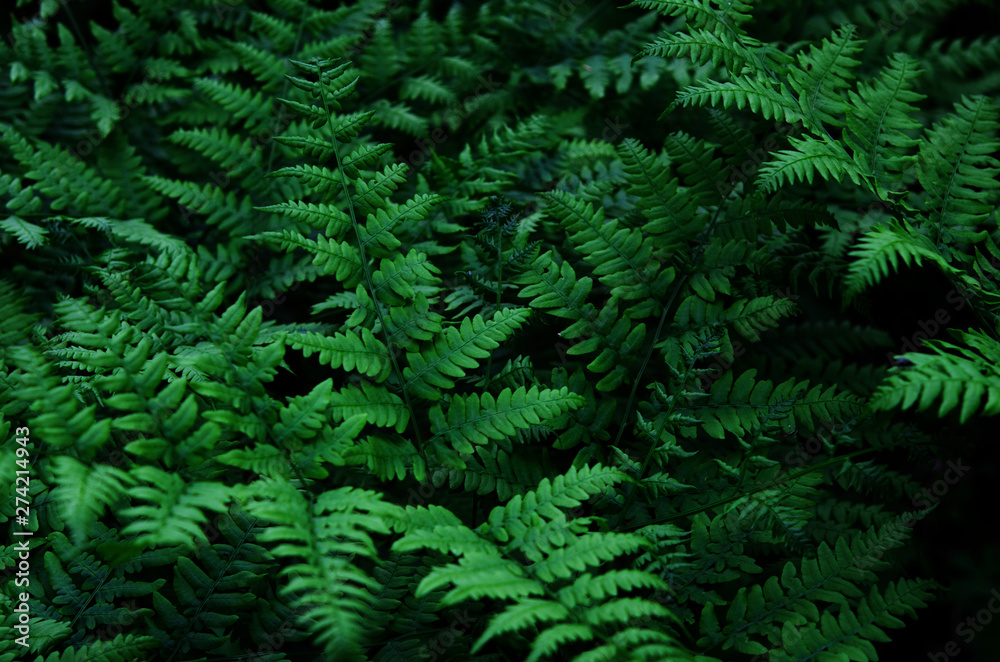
(101, 81)
(656, 439)
(87, 51)
(489, 361)
(284, 92)
(368, 277)
(649, 353)
(218, 578)
(635, 387)
(747, 455)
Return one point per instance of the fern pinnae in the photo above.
(97, 589)
(649, 354)
(212, 593)
(90, 56)
(759, 488)
(710, 229)
(317, 65)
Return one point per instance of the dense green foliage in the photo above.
(408, 331)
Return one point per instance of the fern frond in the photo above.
(350, 351)
(882, 247)
(82, 493)
(851, 631)
(387, 458)
(254, 109)
(736, 405)
(703, 46)
(701, 13)
(880, 115)
(586, 607)
(619, 257)
(26, 232)
(325, 537)
(957, 169)
(824, 74)
(946, 378)
(428, 88)
(458, 350)
(479, 418)
(807, 157)
(178, 510)
(383, 408)
(758, 95)
(659, 199)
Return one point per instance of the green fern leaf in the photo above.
(880, 114)
(480, 417)
(956, 166)
(882, 247)
(364, 353)
(176, 517)
(947, 378)
(744, 92)
(822, 75)
(458, 350)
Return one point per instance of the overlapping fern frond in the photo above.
(518, 419)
